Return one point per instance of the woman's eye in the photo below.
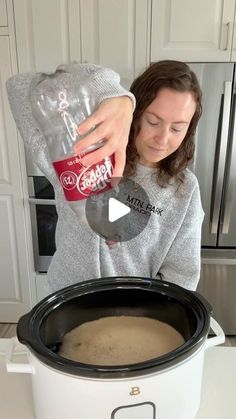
(152, 123)
(176, 129)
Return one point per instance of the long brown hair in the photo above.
(173, 75)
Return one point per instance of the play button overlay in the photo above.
(121, 213)
(116, 210)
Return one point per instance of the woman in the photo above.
(160, 147)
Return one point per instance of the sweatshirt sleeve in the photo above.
(182, 263)
(105, 83)
(18, 88)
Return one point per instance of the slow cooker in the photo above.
(167, 387)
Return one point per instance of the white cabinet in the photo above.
(14, 266)
(191, 30)
(3, 13)
(116, 34)
(107, 32)
(43, 35)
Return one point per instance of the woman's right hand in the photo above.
(112, 121)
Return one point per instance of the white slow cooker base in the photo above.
(171, 394)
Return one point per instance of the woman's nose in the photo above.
(162, 135)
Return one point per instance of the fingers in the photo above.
(92, 138)
(118, 170)
(90, 123)
(97, 155)
(105, 151)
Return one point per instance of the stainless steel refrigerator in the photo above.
(215, 168)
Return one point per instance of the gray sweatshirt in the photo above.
(170, 243)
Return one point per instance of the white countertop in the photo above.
(218, 390)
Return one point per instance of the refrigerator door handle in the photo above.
(41, 201)
(218, 186)
(230, 188)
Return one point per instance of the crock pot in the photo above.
(167, 387)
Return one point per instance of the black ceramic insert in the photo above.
(43, 328)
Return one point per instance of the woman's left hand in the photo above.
(112, 121)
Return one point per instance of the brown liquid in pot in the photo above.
(119, 340)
